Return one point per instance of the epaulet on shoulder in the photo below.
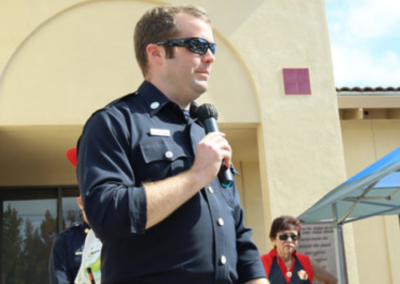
(121, 99)
(75, 225)
(116, 101)
(128, 96)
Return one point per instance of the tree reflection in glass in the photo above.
(28, 237)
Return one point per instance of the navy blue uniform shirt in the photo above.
(144, 137)
(66, 254)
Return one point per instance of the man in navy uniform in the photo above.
(66, 253)
(148, 172)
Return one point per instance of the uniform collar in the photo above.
(274, 252)
(85, 225)
(156, 100)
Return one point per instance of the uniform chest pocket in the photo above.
(163, 158)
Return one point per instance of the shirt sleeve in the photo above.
(266, 260)
(113, 205)
(58, 264)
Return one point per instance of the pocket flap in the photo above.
(161, 150)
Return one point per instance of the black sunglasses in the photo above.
(284, 237)
(193, 44)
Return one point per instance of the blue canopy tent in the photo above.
(373, 191)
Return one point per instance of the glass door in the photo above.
(31, 219)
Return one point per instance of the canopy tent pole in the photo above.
(345, 215)
(383, 212)
(376, 198)
(340, 258)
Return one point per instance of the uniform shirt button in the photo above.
(154, 105)
(210, 189)
(169, 154)
(220, 221)
(223, 259)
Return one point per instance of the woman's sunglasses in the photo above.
(285, 236)
(193, 44)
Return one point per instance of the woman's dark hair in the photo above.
(284, 223)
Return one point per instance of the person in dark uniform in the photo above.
(148, 172)
(66, 253)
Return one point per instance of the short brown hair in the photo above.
(159, 24)
(284, 223)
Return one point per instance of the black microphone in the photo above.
(208, 115)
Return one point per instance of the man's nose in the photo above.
(209, 57)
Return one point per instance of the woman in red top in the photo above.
(283, 264)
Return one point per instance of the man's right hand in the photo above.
(210, 152)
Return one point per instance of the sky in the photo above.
(365, 42)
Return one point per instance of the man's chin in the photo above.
(201, 86)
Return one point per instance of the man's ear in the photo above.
(155, 54)
(79, 201)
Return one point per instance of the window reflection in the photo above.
(71, 212)
(28, 229)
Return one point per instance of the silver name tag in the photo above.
(160, 132)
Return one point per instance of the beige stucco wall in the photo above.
(376, 239)
(79, 57)
(61, 60)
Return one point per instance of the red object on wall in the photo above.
(71, 155)
(296, 81)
